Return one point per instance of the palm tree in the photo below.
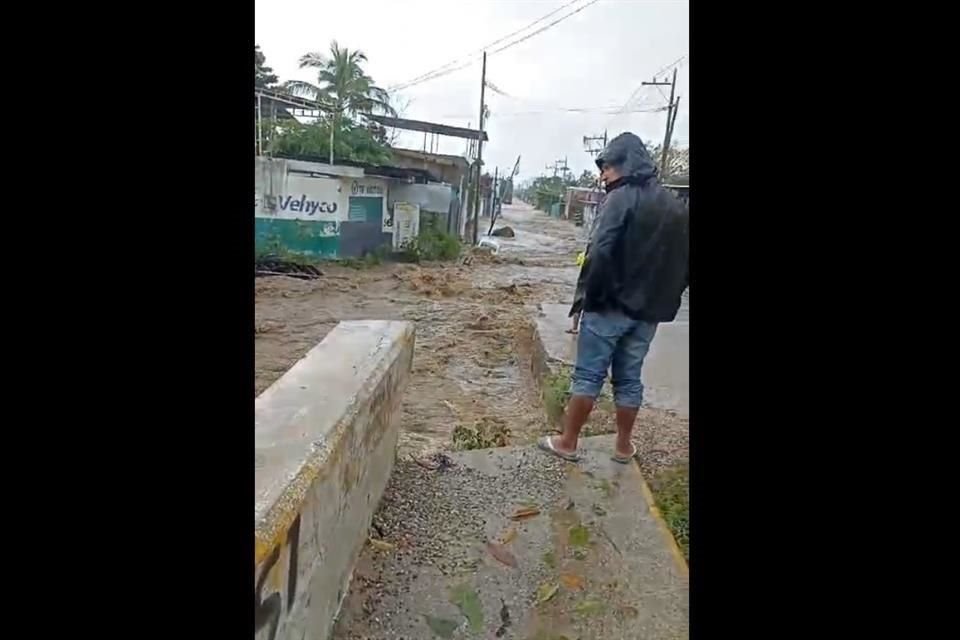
(343, 87)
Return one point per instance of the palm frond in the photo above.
(302, 89)
(313, 59)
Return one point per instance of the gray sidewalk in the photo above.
(592, 561)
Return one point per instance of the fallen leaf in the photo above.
(546, 592)
(579, 536)
(525, 512)
(469, 604)
(509, 536)
(382, 545)
(589, 607)
(502, 554)
(571, 580)
(441, 627)
(550, 559)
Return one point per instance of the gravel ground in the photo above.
(590, 544)
(662, 437)
(435, 521)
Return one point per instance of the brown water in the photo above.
(474, 327)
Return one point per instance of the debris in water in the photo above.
(550, 559)
(441, 627)
(502, 554)
(271, 265)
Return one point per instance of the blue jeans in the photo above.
(611, 339)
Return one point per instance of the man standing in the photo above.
(635, 274)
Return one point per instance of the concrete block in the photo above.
(326, 435)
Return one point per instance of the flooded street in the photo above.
(474, 329)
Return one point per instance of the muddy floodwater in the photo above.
(474, 328)
(473, 320)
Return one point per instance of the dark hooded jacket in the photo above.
(639, 256)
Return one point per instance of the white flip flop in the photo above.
(546, 444)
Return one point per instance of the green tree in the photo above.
(587, 178)
(312, 142)
(543, 191)
(678, 164)
(342, 89)
(263, 77)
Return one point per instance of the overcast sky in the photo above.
(595, 59)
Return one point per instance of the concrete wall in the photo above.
(326, 435)
(434, 201)
(297, 212)
(336, 216)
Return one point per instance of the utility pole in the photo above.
(476, 195)
(556, 166)
(595, 150)
(671, 117)
(493, 200)
(259, 127)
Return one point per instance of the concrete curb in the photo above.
(675, 549)
(542, 365)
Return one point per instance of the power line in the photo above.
(439, 72)
(601, 110)
(430, 74)
(544, 28)
(640, 88)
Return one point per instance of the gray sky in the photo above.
(594, 59)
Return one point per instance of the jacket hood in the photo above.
(629, 156)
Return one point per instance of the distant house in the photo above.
(443, 168)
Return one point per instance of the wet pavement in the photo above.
(448, 558)
(666, 370)
(515, 543)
